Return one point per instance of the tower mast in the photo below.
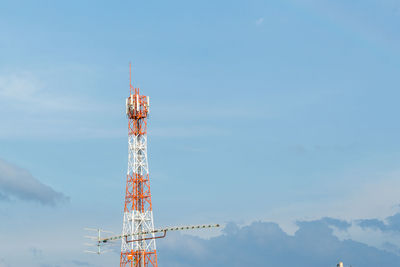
(138, 248)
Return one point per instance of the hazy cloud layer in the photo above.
(391, 223)
(18, 183)
(340, 224)
(266, 244)
(32, 101)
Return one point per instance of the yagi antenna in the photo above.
(96, 240)
(100, 241)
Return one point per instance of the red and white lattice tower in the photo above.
(138, 248)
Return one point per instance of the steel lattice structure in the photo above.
(138, 248)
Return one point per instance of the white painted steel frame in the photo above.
(136, 222)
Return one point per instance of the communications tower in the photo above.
(137, 249)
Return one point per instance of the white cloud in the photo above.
(24, 91)
(20, 184)
(29, 103)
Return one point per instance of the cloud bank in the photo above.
(18, 183)
(266, 244)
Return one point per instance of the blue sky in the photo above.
(272, 111)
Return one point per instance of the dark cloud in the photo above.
(266, 244)
(4, 197)
(340, 224)
(394, 222)
(19, 183)
(230, 228)
(327, 221)
(391, 223)
(374, 224)
(391, 248)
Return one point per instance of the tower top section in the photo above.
(137, 106)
